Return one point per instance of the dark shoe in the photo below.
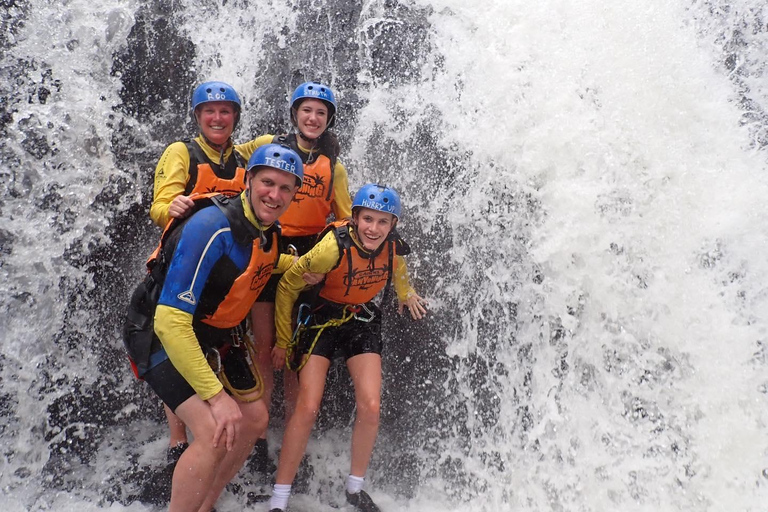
(259, 462)
(362, 502)
(174, 454)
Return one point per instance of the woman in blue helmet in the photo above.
(359, 257)
(208, 163)
(324, 192)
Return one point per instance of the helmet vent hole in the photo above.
(371, 196)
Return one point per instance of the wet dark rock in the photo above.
(22, 472)
(6, 242)
(156, 42)
(35, 141)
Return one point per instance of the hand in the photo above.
(312, 278)
(415, 305)
(181, 206)
(227, 415)
(278, 358)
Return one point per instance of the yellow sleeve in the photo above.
(320, 260)
(247, 148)
(174, 328)
(171, 176)
(342, 202)
(283, 264)
(401, 281)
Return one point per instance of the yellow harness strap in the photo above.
(348, 313)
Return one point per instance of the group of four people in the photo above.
(224, 257)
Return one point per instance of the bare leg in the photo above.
(255, 419)
(203, 471)
(296, 436)
(365, 370)
(263, 325)
(197, 467)
(291, 383)
(177, 428)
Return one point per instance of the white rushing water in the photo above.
(585, 191)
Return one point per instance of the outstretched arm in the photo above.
(406, 295)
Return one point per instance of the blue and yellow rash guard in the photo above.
(213, 277)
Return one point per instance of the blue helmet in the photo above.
(318, 91)
(379, 198)
(278, 157)
(214, 91)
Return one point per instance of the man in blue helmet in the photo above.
(184, 329)
(359, 257)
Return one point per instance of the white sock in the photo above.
(355, 484)
(280, 495)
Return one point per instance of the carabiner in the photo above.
(371, 314)
(212, 352)
(303, 308)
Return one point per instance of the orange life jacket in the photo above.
(142, 344)
(247, 287)
(208, 177)
(365, 274)
(311, 206)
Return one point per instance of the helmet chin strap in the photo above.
(313, 142)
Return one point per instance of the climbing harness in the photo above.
(213, 356)
(348, 312)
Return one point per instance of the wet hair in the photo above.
(328, 144)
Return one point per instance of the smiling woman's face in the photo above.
(373, 227)
(216, 120)
(312, 118)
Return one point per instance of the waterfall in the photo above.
(584, 191)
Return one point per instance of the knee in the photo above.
(368, 411)
(202, 450)
(306, 411)
(256, 417)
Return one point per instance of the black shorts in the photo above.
(166, 381)
(346, 340)
(303, 244)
